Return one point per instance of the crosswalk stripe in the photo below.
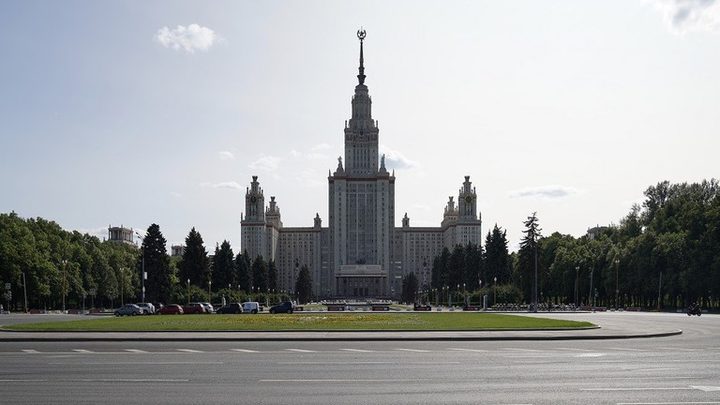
(414, 350)
(300, 350)
(82, 351)
(190, 351)
(30, 351)
(357, 350)
(245, 350)
(468, 350)
(135, 351)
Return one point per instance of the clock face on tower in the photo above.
(468, 199)
(253, 199)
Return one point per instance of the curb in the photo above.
(336, 338)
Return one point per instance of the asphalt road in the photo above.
(682, 369)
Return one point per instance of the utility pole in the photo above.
(659, 288)
(577, 271)
(25, 292)
(590, 294)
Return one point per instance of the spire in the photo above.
(361, 36)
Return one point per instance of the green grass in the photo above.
(305, 322)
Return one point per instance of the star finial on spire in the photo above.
(361, 36)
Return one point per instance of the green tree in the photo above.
(224, 273)
(259, 274)
(272, 276)
(195, 265)
(497, 256)
(243, 268)
(153, 255)
(527, 256)
(409, 288)
(303, 285)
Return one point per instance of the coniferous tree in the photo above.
(157, 266)
(497, 257)
(272, 276)
(224, 273)
(303, 285)
(528, 259)
(409, 288)
(243, 269)
(195, 265)
(259, 275)
(439, 276)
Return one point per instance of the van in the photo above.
(250, 307)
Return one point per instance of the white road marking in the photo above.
(30, 351)
(126, 363)
(468, 350)
(705, 388)
(665, 403)
(639, 389)
(624, 349)
(357, 350)
(516, 349)
(135, 351)
(589, 355)
(190, 351)
(244, 350)
(9, 380)
(82, 351)
(139, 380)
(350, 380)
(301, 351)
(572, 349)
(413, 350)
(412, 363)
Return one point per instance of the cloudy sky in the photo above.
(139, 112)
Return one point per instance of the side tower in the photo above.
(252, 224)
(361, 198)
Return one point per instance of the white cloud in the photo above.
(190, 39)
(396, 160)
(321, 146)
(690, 15)
(224, 184)
(545, 192)
(175, 194)
(266, 163)
(226, 155)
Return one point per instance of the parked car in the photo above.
(231, 308)
(128, 309)
(172, 309)
(282, 308)
(251, 307)
(148, 308)
(208, 307)
(194, 308)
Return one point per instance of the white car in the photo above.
(147, 308)
(208, 307)
(251, 307)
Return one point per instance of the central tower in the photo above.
(361, 204)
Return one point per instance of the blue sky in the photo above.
(111, 114)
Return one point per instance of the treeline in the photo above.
(64, 270)
(663, 254)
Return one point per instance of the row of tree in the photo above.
(665, 253)
(57, 269)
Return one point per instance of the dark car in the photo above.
(232, 308)
(282, 308)
(172, 309)
(128, 309)
(194, 308)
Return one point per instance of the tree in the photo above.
(497, 257)
(242, 266)
(224, 273)
(272, 276)
(303, 285)
(528, 260)
(195, 265)
(259, 274)
(409, 288)
(157, 265)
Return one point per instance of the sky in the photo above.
(140, 112)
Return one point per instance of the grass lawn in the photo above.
(306, 322)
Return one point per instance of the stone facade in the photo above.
(360, 254)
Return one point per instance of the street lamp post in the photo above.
(577, 271)
(143, 276)
(188, 291)
(64, 284)
(590, 293)
(210, 290)
(617, 288)
(495, 291)
(122, 282)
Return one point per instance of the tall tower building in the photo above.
(361, 204)
(360, 254)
